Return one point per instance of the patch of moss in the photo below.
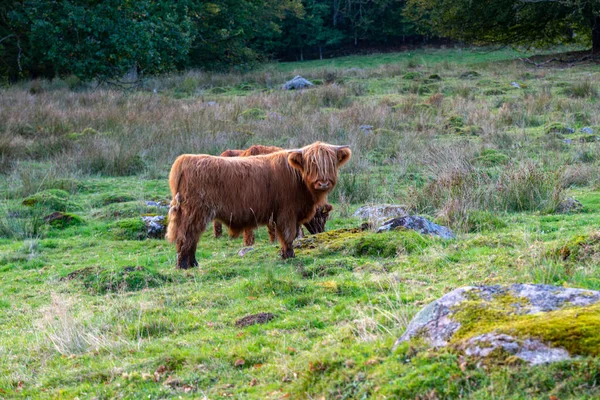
(116, 198)
(217, 90)
(246, 86)
(128, 209)
(52, 199)
(470, 75)
(582, 248)
(434, 77)
(470, 130)
(455, 123)
(557, 128)
(478, 221)
(129, 229)
(494, 92)
(491, 158)
(411, 76)
(121, 279)
(254, 113)
(62, 220)
(87, 132)
(363, 243)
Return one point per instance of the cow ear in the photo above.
(295, 160)
(343, 155)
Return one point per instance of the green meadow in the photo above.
(475, 140)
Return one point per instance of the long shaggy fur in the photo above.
(283, 188)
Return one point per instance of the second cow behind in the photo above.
(315, 225)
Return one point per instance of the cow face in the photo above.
(318, 163)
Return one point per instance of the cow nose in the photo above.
(323, 185)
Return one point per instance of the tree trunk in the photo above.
(320, 53)
(301, 53)
(596, 35)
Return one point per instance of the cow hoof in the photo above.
(287, 254)
(186, 263)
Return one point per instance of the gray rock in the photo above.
(381, 212)
(155, 226)
(297, 83)
(587, 130)
(515, 84)
(569, 205)
(531, 351)
(436, 323)
(568, 141)
(158, 204)
(419, 224)
(568, 130)
(366, 128)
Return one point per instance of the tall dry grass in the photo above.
(407, 128)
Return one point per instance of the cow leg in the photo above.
(248, 237)
(217, 229)
(186, 247)
(300, 233)
(286, 237)
(271, 229)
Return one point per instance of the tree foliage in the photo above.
(101, 39)
(509, 21)
(104, 39)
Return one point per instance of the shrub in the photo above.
(528, 187)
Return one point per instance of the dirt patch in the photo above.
(253, 319)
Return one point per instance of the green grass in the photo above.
(96, 310)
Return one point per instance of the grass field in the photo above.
(490, 146)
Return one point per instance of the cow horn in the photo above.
(341, 147)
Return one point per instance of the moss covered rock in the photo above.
(524, 323)
(357, 242)
(129, 229)
(62, 220)
(52, 199)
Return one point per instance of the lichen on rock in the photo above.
(534, 323)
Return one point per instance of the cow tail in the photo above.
(175, 208)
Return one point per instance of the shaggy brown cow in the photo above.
(284, 188)
(253, 150)
(315, 225)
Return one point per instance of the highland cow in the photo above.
(284, 188)
(316, 225)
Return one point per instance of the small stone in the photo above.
(366, 128)
(155, 226)
(587, 130)
(515, 84)
(245, 250)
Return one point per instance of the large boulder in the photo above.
(297, 83)
(531, 323)
(419, 224)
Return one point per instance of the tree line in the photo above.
(103, 39)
